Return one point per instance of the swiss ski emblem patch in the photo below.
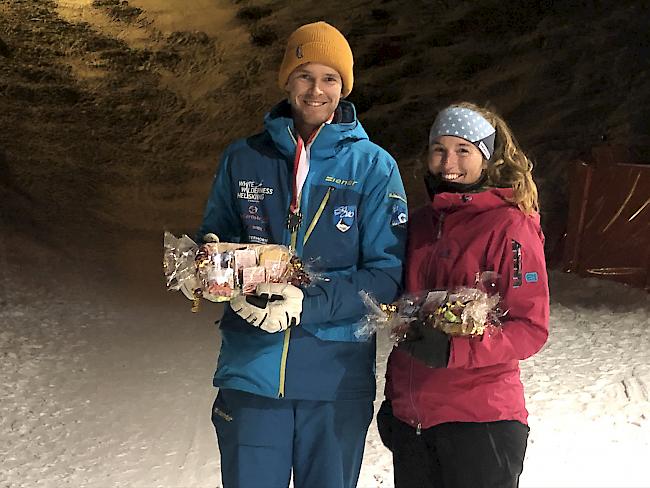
(344, 217)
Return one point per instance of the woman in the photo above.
(454, 414)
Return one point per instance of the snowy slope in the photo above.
(105, 386)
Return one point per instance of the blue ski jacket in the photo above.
(353, 234)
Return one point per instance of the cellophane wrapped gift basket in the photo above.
(219, 271)
(461, 311)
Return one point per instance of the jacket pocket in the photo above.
(333, 242)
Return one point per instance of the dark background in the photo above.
(113, 114)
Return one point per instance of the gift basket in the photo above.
(219, 271)
(463, 311)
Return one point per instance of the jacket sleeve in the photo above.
(220, 216)
(382, 238)
(520, 263)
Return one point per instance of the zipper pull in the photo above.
(418, 429)
(222, 414)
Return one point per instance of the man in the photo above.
(296, 385)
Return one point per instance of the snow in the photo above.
(106, 382)
(106, 377)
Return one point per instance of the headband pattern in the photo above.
(467, 124)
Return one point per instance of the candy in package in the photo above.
(394, 316)
(218, 271)
(178, 261)
(463, 311)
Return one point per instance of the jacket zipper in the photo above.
(319, 212)
(287, 333)
(441, 219)
(283, 361)
(418, 428)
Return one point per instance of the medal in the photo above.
(293, 220)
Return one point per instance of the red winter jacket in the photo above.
(451, 240)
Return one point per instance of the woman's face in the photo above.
(456, 160)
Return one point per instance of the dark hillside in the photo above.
(113, 113)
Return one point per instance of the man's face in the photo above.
(314, 92)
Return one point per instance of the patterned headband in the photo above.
(466, 124)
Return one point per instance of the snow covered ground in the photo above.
(106, 382)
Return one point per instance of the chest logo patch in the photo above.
(253, 191)
(344, 217)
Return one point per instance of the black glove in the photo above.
(385, 424)
(426, 344)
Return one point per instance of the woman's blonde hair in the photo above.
(508, 166)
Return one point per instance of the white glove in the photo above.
(281, 310)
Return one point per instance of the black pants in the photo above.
(459, 455)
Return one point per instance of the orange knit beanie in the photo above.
(318, 43)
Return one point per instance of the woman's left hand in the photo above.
(426, 344)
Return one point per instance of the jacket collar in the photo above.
(345, 128)
(436, 185)
(478, 202)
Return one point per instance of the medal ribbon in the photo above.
(301, 165)
(293, 208)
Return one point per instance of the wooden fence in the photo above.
(608, 227)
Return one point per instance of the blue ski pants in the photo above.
(261, 440)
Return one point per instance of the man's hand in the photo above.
(274, 308)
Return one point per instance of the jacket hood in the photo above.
(344, 129)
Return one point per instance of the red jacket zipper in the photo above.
(418, 428)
